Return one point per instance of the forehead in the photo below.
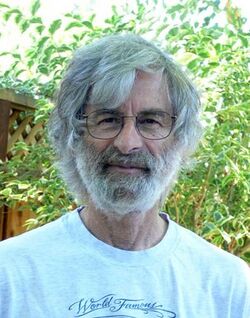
(148, 81)
(149, 92)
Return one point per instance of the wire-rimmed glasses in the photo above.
(107, 124)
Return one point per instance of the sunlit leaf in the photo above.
(74, 24)
(6, 192)
(187, 57)
(244, 40)
(23, 186)
(40, 28)
(55, 25)
(36, 20)
(35, 7)
(18, 18)
(88, 24)
(4, 5)
(42, 68)
(24, 25)
(42, 41)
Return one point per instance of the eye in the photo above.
(108, 120)
(151, 121)
(148, 121)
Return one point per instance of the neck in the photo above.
(135, 231)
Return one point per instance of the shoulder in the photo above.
(207, 257)
(226, 275)
(34, 240)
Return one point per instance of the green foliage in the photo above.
(32, 180)
(210, 199)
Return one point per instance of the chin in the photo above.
(121, 203)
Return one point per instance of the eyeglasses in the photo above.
(107, 124)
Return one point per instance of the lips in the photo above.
(126, 167)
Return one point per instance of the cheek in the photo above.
(98, 144)
(157, 147)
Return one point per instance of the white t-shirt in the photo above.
(62, 271)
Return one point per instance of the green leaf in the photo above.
(9, 13)
(18, 18)
(203, 54)
(64, 48)
(92, 17)
(174, 31)
(193, 64)
(35, 7)
(36, 20)
(21, 146)
(40, 28)
(76, 37)
(19, 72)
(55, 25)
(209, 226)
(14, 11)
(42, 68)
(244, 40)
(16, 55)
(75, 24)
(25, 25)
(5, 53)
(3, 5)
(218, 216)
(6, 16)
(17, 197)
(186, 57)
(88, 24)
(48, 51)
(226, 236)
(23, 186)
(42, 41)
(6, 192)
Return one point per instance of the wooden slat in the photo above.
(12, 129)
(19, 101)
(16, 218)
(30, 139)
(4, 127)
(4, 218)
(18, 133)
(1, 222)
(13, 117)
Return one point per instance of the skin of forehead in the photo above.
(149, 82)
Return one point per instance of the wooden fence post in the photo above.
(4, 127)
(13, 128)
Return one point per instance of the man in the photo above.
(126, 119)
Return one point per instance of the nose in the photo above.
(129, 140)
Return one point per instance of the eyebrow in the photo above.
(155, 111)
(146, 111)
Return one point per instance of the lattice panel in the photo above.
(22, 128)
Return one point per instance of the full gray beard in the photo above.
(120, 194)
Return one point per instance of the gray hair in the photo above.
(103, 74)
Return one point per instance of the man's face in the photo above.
(129, 172)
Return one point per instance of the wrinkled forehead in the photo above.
(149, 85)
(146, 88)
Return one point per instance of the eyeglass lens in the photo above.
(107, 124)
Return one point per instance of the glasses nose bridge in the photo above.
(132, 117)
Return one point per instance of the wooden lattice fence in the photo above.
(16, 124)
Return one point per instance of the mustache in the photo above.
(112, 156)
